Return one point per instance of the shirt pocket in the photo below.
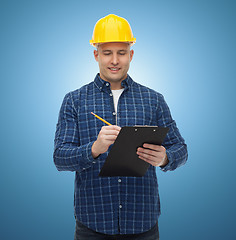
(139, 114)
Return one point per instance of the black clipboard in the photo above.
(122, 159)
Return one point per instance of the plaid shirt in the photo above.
(113, 205)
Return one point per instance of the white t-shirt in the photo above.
(116, 94)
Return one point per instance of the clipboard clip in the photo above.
(136, 129)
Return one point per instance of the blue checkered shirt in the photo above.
(113, 205)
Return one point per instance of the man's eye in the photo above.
(107, 53)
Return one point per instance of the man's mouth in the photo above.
(114, 69)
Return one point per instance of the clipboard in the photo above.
(122, 159)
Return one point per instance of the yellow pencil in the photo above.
(101, 119)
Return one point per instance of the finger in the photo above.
(109, 142)
(154, 147)
(147, 152)
(109, 137)
(148, 156)
(153, 163)
(112, 127)
(110, 132)
(118, 128)
(152, 155)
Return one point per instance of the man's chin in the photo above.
(113, 77)
(116, 78)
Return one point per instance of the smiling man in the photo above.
(114, 60)
(114, 207)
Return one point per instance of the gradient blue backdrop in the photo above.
(185, 50)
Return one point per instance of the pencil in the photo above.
(101, 118)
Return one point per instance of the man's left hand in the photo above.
(153, 154)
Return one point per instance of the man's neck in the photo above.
(116, 86)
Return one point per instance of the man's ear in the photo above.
(131, 54)
(95, 52)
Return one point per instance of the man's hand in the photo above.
(106, 137)
(155, 155)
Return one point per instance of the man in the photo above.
(114, 207)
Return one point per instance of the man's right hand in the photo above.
(106, 137)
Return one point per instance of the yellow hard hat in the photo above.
(112, 28)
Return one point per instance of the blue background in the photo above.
(185, 50)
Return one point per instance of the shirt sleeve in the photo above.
(68, 154)
(176, 148)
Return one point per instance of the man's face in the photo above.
(113, 59)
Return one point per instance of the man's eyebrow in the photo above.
(106, 50)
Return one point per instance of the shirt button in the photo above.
(119, 180)
(107, 84)
(111, 94)
(114, 113)
(120, 206)
(94, 162)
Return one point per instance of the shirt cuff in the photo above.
(87, 155)
(167, 167)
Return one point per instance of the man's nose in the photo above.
(115, 59)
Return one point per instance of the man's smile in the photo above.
(114, 69)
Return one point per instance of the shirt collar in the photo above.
(102, 84)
